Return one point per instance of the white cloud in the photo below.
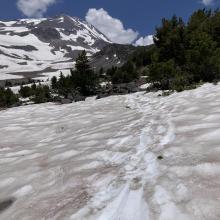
(113, 28)
(207, 2)
(34, 8)
(144, 41)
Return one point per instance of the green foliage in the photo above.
(101, 72)
(82, 79)
(41, 94)
(25, 91)
(170, 40)
(131, 70)
(198, 20)
(162, 74)
(7, 98)
(125, 74)
(36, 93)
(8, 83)
(54, 82)
(200, 54)
(110, 72)
(185, 55)
(142, 56)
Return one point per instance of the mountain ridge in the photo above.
(46, 43)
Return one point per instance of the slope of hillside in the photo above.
(44, 45)
(149, 157)
(112, 55)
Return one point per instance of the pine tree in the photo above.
(82, 62)
(25, 91)
(84, 79)
(54, 82)
(7, 97)
(170, 40)
(101, 72)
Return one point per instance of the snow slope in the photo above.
(33, 45)
(97, 160)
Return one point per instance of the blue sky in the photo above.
(140, 15)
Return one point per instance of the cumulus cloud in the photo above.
(113, 28)
(144, 41)
(34, 8)
(208, 2)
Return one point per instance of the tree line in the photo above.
(186, 54)
(183, 55)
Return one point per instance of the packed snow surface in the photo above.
(98, 159)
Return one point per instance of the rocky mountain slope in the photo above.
(112, 55)
(32, 46)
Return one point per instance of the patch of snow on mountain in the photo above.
(14, 29)
(43, 51)
(38, 44)
(5, 76)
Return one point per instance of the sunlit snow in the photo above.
(21, 51)
(99, 159)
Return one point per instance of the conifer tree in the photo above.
(84, 79)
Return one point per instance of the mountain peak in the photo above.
(36, 44)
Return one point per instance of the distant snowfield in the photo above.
(5, 76)
(37, 62)
(46, 76)
(97, 160)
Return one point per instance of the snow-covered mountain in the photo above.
(29, 46)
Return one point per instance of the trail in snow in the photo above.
(98, 159)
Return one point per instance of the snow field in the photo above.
(99, 160)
